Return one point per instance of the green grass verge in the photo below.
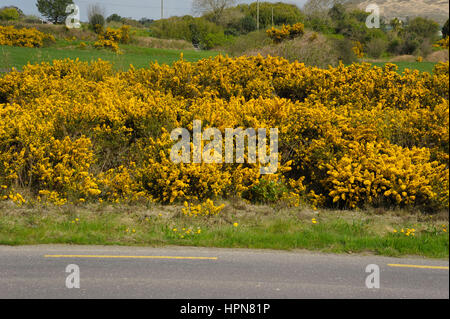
(259, 227)
(139, 57)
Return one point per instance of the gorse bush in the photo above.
(443, 43)
(25, 37)
(349, 136)
(358, 49)
(286, 32)
(110, 38)
(204, 209)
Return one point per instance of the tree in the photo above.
(320, 6)
(96, 16)
(337, 12)
(283, 13)
(114, 17)
(146, 21)
(95, 9)
(445, 30)
(317, 17)
(215, 7)
(9, 14)
(423, 27)
(54, 10)
(396, 24)
(247, 24)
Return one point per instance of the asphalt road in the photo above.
(200, 273)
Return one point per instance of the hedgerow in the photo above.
(349, 136)
(25, 37)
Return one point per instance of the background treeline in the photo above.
(342, 25)
(334, 31)
(210, 30)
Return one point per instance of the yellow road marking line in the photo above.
(418, 266)
(130, 257)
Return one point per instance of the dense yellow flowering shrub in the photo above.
(120, 185)
(443, 43)
(207, 208)
(107, 44)
(348, 136)
(286, 32)
(110, 38)
(168, 181)
(374, 172)
(358, 49)
(25, 37)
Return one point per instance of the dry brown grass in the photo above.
(148, 42)
(312, 49)
(403, 58)
(438, 56)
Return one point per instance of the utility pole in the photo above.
(257, 15)
(162, 9)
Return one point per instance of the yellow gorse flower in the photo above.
(443, 43)
(110, 38)
(25, 37)
(286, 32)
(349, 136)
(207, 208)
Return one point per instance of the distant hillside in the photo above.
(437, 10)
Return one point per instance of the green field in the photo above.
(421, 66)
(139, 57)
